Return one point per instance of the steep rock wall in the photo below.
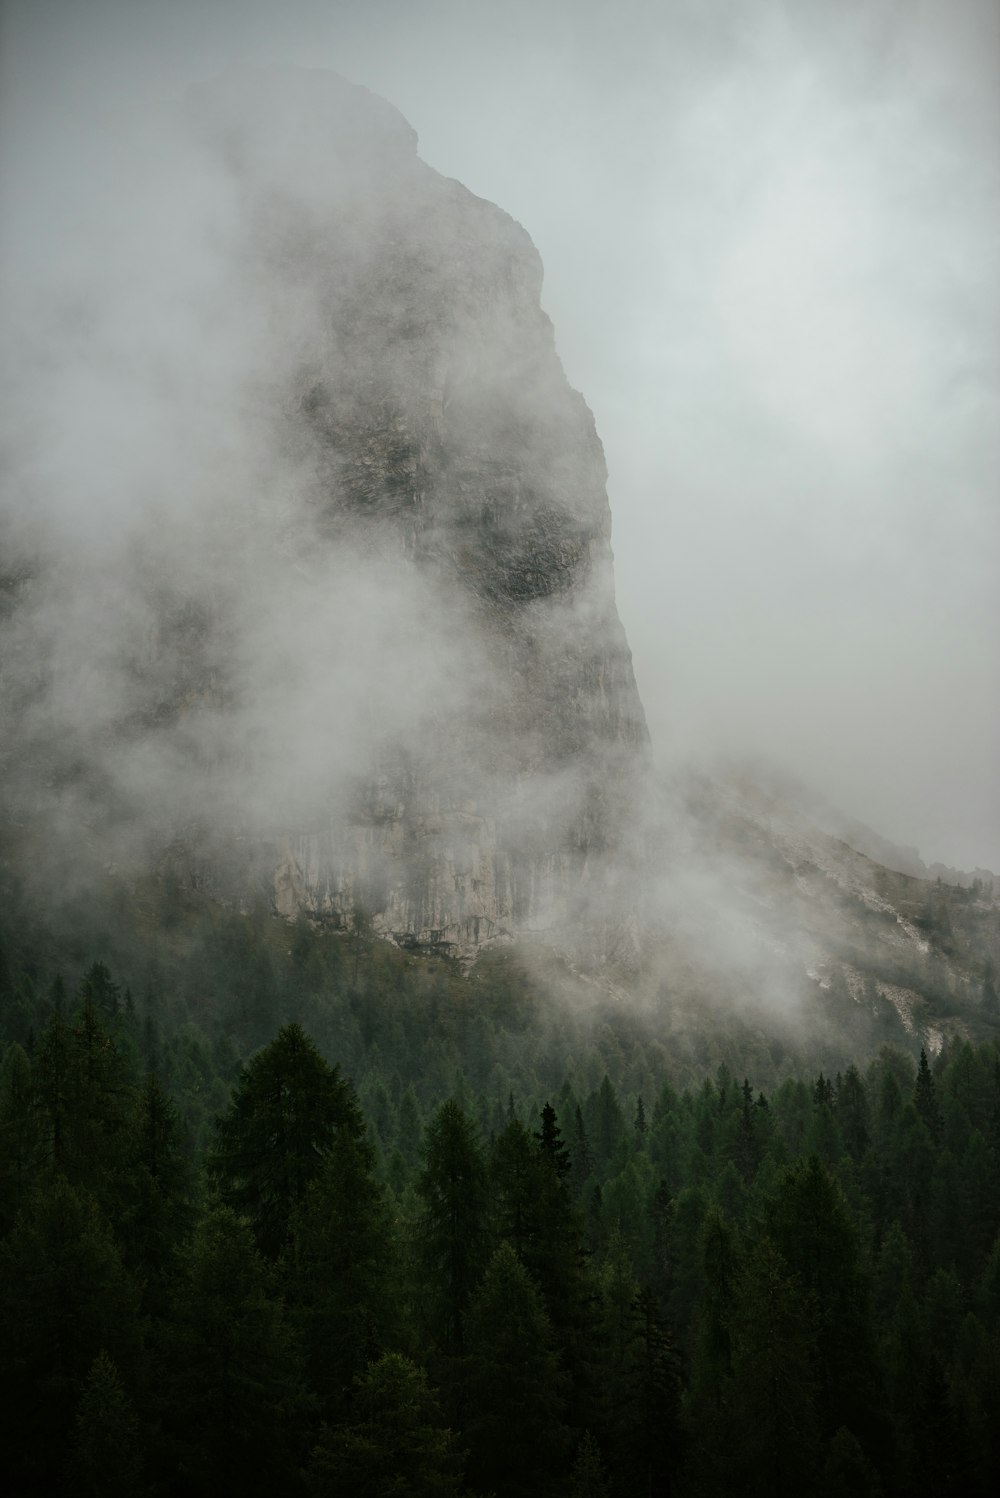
(439, 423)
(342, 633)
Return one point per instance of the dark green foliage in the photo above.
(770, 1427)
(394, 1443)
(550, 1143)
(720, 1293)
(98, 988)
(86, 1096)
(64, 1297)
(517, 1441)
(451, 1230)
(158, 1192)
(811, 1225)
(638, 1376)
(588, 1479)
(925, 1099)
(108, 1459)
(581, 1155)
(232, 1384)
(851, 1105)
(339, 1270)
(846, 1472)
(286, 1112)
(607, 1122)
(20, 1140)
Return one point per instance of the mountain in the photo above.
(329, 633)
(792, 920)
(380, 675)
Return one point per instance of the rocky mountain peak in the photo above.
(361, 657)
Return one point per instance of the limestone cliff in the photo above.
(427, 407)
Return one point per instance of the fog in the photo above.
(769, 236)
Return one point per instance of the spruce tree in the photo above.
(20, 1143)
(64, 1296)
(232, 1392)
(451, 1226)
(517, 1440)
(287, 1109)
(394, 1441)
(339, 1271)
(812, 1226)
(925, 1099)
(159, 1189)
(108, 1458)
(550, 1143)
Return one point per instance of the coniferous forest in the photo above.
(355, 1222)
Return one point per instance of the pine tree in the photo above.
(287, 1109)
(812, 1227)
(747, 1146)
(609, 1125)
(588, 1478)
(64, 1295)
(20, 1144)
(159, 1190)
(851, 1106)
(638, 1375)
(394, 1442)
(550, 1143)
(409, 1126)
(339, 1271)
(54, 1088)
(720, 1264)
(847, 1470)
(515, 1171)
(582, 1155)
(770, 1444)
(640, 1118)
(925, 1100)
(99, 989)
(513, 1384)
(86, 1096)
(231, 1388)
(451, 1229)
(108, 1459)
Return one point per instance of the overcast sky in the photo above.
(771, 237)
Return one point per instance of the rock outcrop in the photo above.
(425, 405)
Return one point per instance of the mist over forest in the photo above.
(401, 1040)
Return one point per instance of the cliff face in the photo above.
(425, 410)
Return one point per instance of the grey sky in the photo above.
(770, 234)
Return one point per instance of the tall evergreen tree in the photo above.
(771, 1448)
(231, 1389)
(20, 1143)
(581, 1153)
(394, 1441)
(159, 1191)
(339, 1271)
(550, 1143)
(588, 1478)
(451, 1229)
(514, 1385)
(99, 988)
(638, 1374)
(851, 1106)
(287, 1109)
(812, 1226)
(925, 1099)
(108, 1458)
(64, 1295)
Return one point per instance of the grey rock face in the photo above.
(425, 403)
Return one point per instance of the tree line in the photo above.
(330, 1290)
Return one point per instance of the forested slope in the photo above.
(453, 1245)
